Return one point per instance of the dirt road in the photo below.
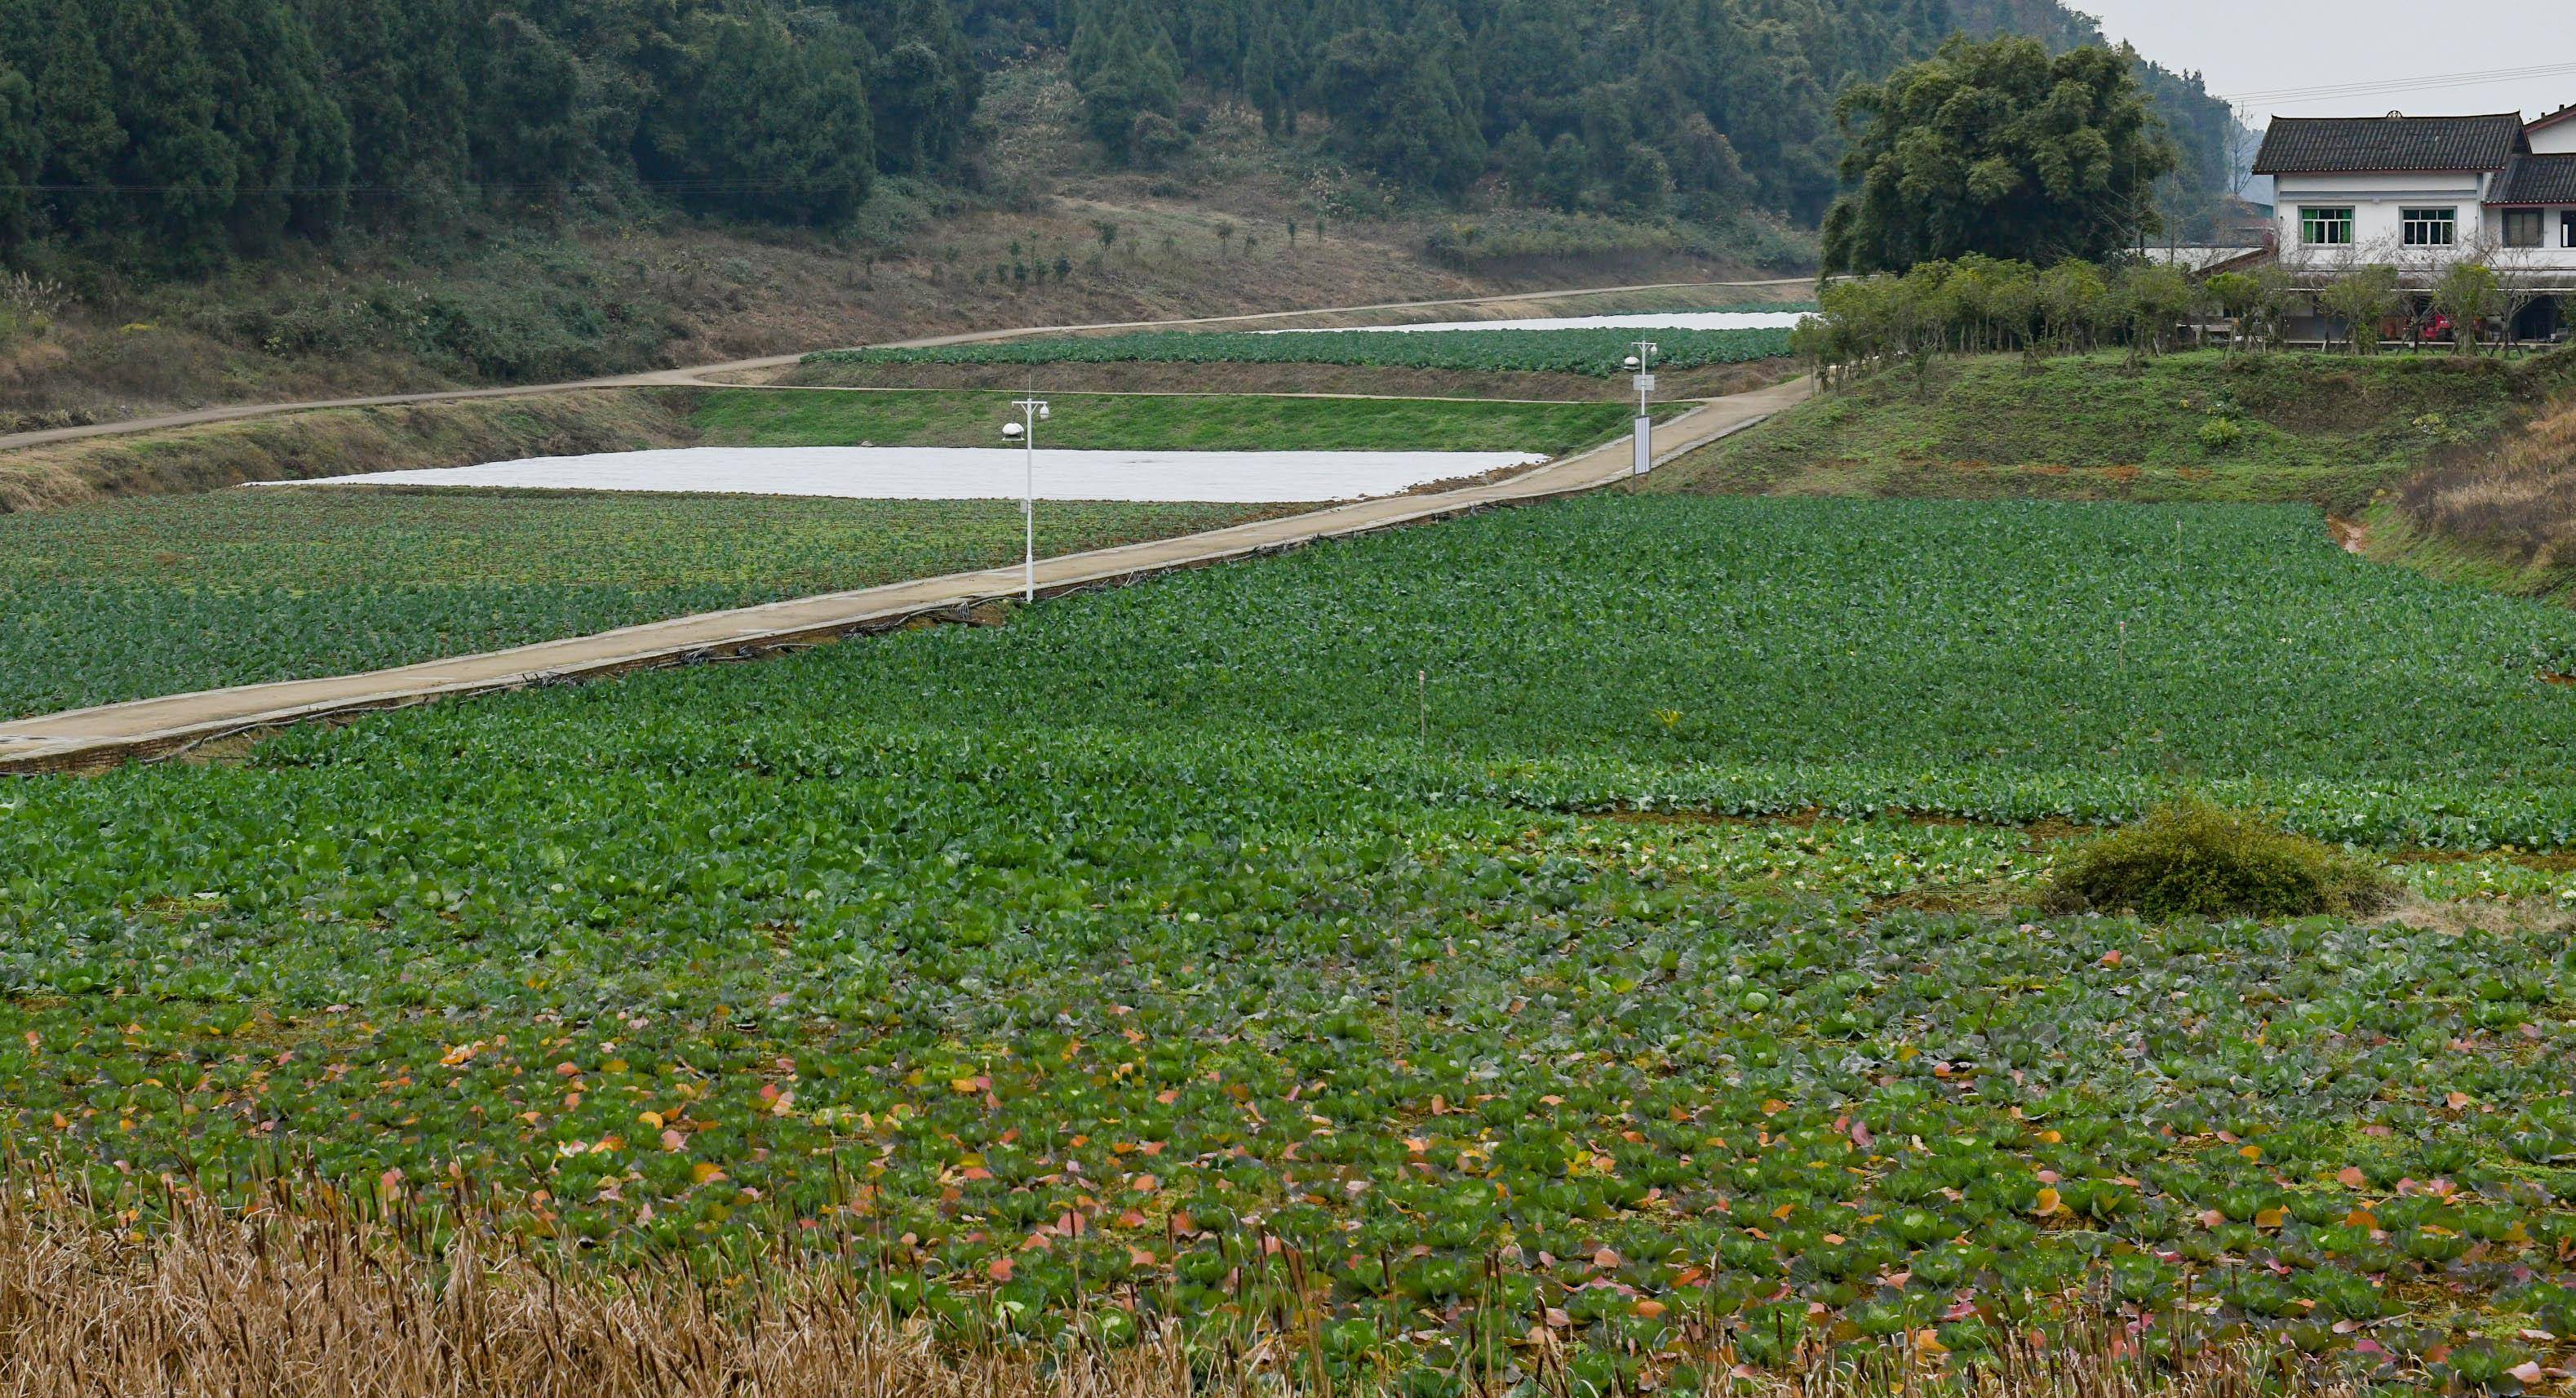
(93, 739)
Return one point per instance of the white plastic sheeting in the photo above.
(972, 473)
(1669, 320)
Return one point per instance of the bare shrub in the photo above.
(2516, 499)
(302, 1293)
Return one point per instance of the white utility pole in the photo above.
(1033, 410)
(1642, 364)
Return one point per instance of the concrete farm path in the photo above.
(708, 375)
(95, 739)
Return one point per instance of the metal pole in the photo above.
(1645, 358)
(1029, 499)
(1033, 410)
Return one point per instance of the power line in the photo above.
(378, 192)
(2416, 84)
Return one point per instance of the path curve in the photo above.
(89, 740)
(699, 376)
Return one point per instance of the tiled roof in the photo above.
(2388, 145)
(2537, 179)
(2566, 113)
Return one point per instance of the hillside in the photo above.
(1060, 234)
(280, 198)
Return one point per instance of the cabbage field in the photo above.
(1363, 929)
(147, 597)
(178, 593)
(1600, 353)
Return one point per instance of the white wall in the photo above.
(2376, 202)
(2555, 140)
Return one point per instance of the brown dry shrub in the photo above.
(2515, 497)
(297, 1296)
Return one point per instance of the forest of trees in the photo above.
(1636, 105)
(172, 134)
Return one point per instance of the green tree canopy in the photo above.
(1996, 148)
(763, 126)
(169, 135)
(1397, 108)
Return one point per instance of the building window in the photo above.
(2326, 227)
(2430, 228)
(2523, 228)
(2567, 230)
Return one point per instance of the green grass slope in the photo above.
(2331, 430)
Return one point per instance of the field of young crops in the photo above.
(1351, 921)
(1595, 352)
(1152, 422)
(166, 595)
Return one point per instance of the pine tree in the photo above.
(1264, 81)
(763, 127)
(1397, 110)
(166, 104)
(291, 141)
(525, 138)
(395, 69)
(73, 95)
(1567, 175)
(22, 159)
(1521, 159)
(1133, 72)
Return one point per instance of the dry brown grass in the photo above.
(2516, 501)
(297, 1296)
(340, 441)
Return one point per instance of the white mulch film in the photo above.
(1670, 320)
(972, 473)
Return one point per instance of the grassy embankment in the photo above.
(2502, 515)
(191, 460)
(2457, 468)
(2331, 431)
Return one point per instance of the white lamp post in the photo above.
(1032, 412)
(1642, 364)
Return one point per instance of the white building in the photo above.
(2419, 193)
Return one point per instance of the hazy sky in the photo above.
(2255, 48)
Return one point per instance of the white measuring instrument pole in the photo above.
(1033, 410)
(1644, 360)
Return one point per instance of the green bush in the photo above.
(2194, 859)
